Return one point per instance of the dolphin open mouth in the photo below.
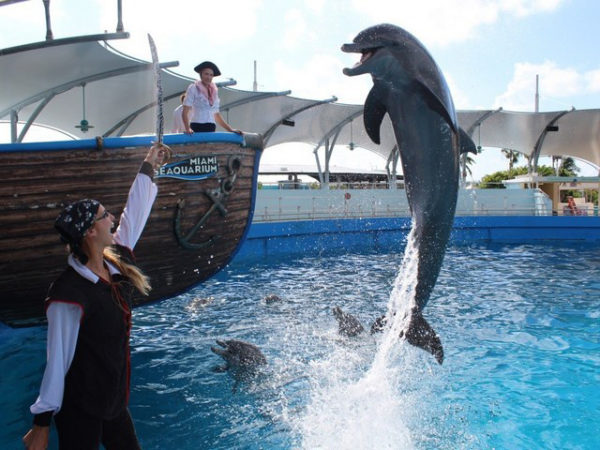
(220, 351)
(365, 55)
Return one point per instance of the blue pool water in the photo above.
(520, 327)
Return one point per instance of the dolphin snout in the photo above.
(220, 351)
(337, 311)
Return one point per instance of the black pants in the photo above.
(80, 431)
(203, 127)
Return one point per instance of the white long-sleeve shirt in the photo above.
(64, 318)
(202, 110)
(178, 126)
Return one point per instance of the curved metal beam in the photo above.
(254, 98)
(33, 116)
(335, 132)
(337, 127)
(70, 40)
(479, 121)
(127, 120)
(470, 131)
(535, 154)
(271, 130)
(52, 92)
(90, 78)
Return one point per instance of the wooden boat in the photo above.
(198, 222)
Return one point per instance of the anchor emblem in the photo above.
(218, 198)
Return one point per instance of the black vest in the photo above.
(98, 380)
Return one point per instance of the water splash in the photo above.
(348, 413)
(402, 300)
(368, 410)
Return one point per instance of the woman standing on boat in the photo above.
(86, 381)
(201, 104)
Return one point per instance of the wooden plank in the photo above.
(35, 186)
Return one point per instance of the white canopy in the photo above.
(44, 83)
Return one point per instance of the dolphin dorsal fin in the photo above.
(466, 143)
(437, 104)
(373, 114)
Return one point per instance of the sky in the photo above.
(489, 50)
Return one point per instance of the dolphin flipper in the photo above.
(420, 334)
(373, 116)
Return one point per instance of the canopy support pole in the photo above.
(532, 163)
(393, 173)
(14, 119)
(119, 17)
(49, 35)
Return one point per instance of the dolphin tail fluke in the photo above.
(420, 334)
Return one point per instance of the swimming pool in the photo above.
(519, 323)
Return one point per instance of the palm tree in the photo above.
(512, 156)
(555, 163)
(466, 162)
(568, 168)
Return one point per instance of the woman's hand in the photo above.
(158, 155)
(37, 438)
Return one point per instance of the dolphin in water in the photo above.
(410, 88)
(348, 325)
(239, 355)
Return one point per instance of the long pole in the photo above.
(49, 35)
(255, 85)
(537, 93)
(119, 17)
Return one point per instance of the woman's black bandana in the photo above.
(75, 220)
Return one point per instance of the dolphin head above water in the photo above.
(239, 354)
(397, 60)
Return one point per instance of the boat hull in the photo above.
(199, 220)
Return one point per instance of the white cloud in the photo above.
(522, 8)
(442, 22)
(556, 83)
(592, 79)
(296, 29)
(23, 23)
(306, 81)
(187, 24)
(460, 99)
(316, 6)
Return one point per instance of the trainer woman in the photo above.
(201, 104)
(86, 381)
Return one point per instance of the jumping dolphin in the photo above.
(348, 325)
(410, 88)
(239, 355)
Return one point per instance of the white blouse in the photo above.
(202, 111)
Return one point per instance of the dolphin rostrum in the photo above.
(410, 88)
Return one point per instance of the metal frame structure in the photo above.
(528, 124)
